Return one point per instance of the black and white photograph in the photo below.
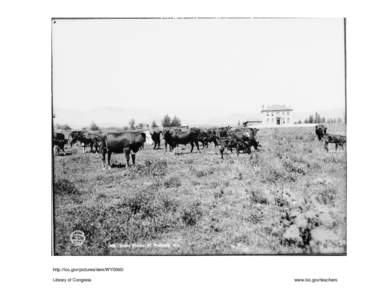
(198, 136)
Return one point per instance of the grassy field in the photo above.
(288, 198)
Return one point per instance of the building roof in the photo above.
(276, 107)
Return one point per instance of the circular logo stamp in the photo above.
(77, 237)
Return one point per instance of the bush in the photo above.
(158, 168)
(276, 173)
(294, 167)
(326, 195)
(65, 187)
(191, 214)
(203, 172)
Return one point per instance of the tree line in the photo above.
(316, 118)
(166, 121)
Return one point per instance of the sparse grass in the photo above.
(290, 197)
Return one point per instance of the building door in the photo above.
(278, 121)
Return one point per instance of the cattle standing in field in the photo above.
(234, 143)
(59, 142)
(206, 137)
(155, 136)
(241, 140)
(119, 142)
(173, 138)
(87, 139)
(222, 132)
(320, 131)
(248, 136)
(338, 140)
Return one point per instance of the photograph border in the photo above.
(53, 226)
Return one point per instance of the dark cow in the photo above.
(172, 130)
(338, 140)
(59, 136)
(246, 135)
(207, 136)
(241, 140)
(234, 143)
(73, 137)
(155, 136)
(93, 140)
(128, 142)
(222, 132)
(59, 142)
(173, 138)
(320, 131)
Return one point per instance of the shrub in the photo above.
(65, 187)
(326, 195)
(202, 172)
(158, 168)
(192, 213)
(276, 173)
(294, 167)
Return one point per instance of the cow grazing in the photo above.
(206, 137)
(338, 140)
(320, 131)
(222, 132)
(128, 142)
(173, 138)
(234, 143)
(241, 140)
(155, 136)
(248, 136)
(87, 139)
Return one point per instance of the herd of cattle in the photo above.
(130, 142)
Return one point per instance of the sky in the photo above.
(202, 70)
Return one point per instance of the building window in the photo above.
(267, 114)
(267, 120)
(288, 120)
(288, 113)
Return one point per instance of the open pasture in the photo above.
(287, 198)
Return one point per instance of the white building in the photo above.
(276, 115)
